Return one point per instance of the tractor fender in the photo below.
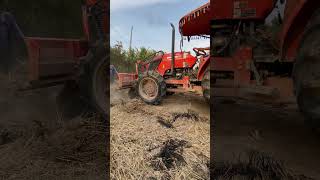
(298, 14)
(203, 67)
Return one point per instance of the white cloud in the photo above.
(125, 4)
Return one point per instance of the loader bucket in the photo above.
(12, 46)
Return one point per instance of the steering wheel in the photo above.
(200, 51)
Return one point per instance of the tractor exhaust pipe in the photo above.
(172, 49)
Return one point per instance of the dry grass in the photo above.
(36, 142)
(142, 148)
(255, 165)
(76, 150)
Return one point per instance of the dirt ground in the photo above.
(168, 141)
(277, 130)
(37, 142)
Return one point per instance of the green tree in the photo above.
(124, 60)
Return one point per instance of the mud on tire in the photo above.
(151, 87)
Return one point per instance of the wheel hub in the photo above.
(148, 88)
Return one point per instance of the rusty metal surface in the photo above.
(126, 80)
(53, 57)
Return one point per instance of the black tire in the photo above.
(94, 80)
(151, 88)
(307, 71)
(99, 86)
(205, 83)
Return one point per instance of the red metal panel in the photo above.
(33, 51)
(204, 63)
(182, 59)
(241, 9)
(197, 22)
(297, 15)
(53, 57)
(239, 64)
(85, 22)
(126, 80)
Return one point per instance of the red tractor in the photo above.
(246, 62)
(176, 72)
(80, 64)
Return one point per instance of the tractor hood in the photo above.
(197, 22)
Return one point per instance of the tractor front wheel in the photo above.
(151, 88)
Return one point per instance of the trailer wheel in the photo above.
(205, 83)
(306, 74)
(151, 87)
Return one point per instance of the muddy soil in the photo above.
(167, 141)
(274, 129)
(37, 142)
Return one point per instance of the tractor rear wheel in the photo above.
(94, 79)
(151, 87)
(99, 91)
(306, 74)
(205, 83)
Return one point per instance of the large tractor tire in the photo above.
(151, 88)
(99, 86)
(306, 73)
(205, 83)
(90, 93)
(94, 79)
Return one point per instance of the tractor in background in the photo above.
(246, 63)
(168, 73)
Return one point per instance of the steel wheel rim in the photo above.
(148, 88)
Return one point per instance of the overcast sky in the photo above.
(150, 20)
